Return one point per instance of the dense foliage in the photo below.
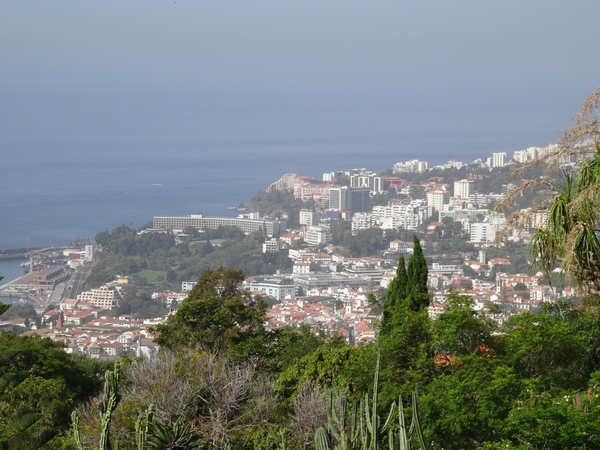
(126, 252)
(39, 385)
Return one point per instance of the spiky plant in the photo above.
(570, 238)
(174, 435)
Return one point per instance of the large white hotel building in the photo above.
(200, 222)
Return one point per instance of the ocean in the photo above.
(76, 165)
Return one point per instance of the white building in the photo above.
(317, 235)
(498, 159)
(200, 222)
(278, 287)
(109, 295)
(361, 221)
(187, 286)
(483, 232)
(309, 217)
(271, 246)
(414, 165)
(462, 188)
(437, 199)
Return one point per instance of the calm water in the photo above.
(11, 270)
(75, 166)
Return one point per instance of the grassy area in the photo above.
(152, 275)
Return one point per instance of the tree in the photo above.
(215, 315)
(39, 384)
(417, 278)
(468, 404)
(396, 293)
(548, 349)
(460, 330)
(405, 334)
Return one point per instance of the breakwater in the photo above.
(23, 253)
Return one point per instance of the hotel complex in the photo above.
(200, 222)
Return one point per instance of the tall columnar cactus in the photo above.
(109, 403)
(400, 439)
(362, 428)
(141, 430)
(107, 406)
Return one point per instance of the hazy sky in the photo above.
(539, 59)
(280, 46)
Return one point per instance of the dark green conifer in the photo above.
(417, 278)
(396, 294)
(405, 335)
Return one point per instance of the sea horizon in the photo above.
(76, 168)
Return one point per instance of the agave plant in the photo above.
(174, 435)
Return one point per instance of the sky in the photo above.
(448, 49)
(358, 69)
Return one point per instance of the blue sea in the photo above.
(74, 164)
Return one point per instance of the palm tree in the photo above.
(571, 236)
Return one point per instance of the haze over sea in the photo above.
(113, 112)
(77, 169)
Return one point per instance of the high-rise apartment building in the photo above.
(498, 159)
(338, 199)
(359, 200)
(437, 199)
(462, 188)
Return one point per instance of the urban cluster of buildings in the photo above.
(326, 289)
(85, 328)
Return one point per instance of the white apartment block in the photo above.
(317, 235)
(301, 267)
(271, 246)
(309, 217)
(437, 199)
(406, 221)
(414, 165)
(482, 232)
(462, 188)
(275, 286)
(200, 222)
(109, 295)
(187, 286)
(399, 246)
(498, 159)
(361, 221)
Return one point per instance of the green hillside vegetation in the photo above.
(223, 381)
(156, 261)
(228, 383)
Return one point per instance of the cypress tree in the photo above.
(405, 335)
(417, 278)
(395, 297)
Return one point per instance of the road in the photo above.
(78, 280)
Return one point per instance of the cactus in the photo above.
(141, 431)
(362, 429)
(77, 431)
(107, 406)
(111, 399)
